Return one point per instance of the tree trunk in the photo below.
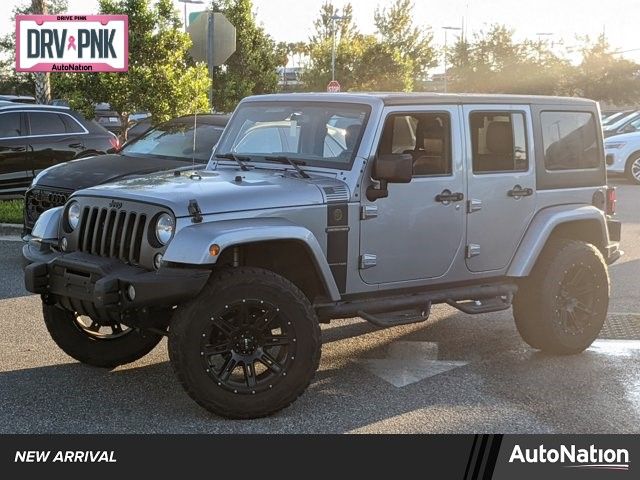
(41, 79)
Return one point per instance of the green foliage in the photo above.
(10, 80)
(251, 70)
(11, 211)
(391, 60)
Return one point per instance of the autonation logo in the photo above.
(574, 457)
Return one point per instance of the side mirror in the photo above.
(390, 168)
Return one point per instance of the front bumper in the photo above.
(88, 283)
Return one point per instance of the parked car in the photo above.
(35, 137)
(615, 117)
(167, 146)
(614, 127)
(478, 201)
(17, 98)
(623, 155)
(629, 126)
(138, 127)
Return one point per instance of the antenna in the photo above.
(193, 150)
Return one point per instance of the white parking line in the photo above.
(10, 238)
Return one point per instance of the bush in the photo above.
(11, 211)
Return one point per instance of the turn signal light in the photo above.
(214, 250)
(612, 200)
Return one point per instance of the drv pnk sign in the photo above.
(72, 43)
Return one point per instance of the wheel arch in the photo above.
(275, 244)
(585, 223)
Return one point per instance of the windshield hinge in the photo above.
(194, 211)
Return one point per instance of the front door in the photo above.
(501, 183)
(416, 232)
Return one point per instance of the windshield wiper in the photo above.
(239, 159)
(294, 163)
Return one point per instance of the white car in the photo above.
(623, 155)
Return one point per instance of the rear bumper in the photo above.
(613, 252)
(85, 282)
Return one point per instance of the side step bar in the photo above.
(455, 296)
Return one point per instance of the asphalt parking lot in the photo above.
(454, 373)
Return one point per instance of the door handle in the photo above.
(518, 192)
(76, 145)
(447, 197)
(17, 149)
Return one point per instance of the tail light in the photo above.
(612, 200)
(115, 142)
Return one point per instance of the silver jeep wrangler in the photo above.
(323, 206)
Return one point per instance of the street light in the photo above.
(334, 19)
(446, 29)
(193, 2)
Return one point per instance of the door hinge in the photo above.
(473, 250)
(368, 260)
(474, 205)
(368, 211)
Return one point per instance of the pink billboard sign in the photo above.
(72, 43)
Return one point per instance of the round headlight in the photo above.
(164, 228)
(73, 215)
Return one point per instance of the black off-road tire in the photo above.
(225, 289)
(89, 349)
(562, 306)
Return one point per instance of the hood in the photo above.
(222, 190)
(87, 172)
(633, 137)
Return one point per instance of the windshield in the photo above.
(320, 134)
(175, 140)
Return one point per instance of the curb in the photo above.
(10, 229)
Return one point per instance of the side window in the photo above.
(570, 140)
(499, 142)
(46, 123)
(425, 136)
(71, 126)
(10, 125)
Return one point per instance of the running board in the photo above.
(397, 303)
(402, 317)
(489, 305)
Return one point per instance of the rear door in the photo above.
(501, 183)
(14, 162)
(53, 138)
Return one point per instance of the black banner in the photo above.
(467, 457)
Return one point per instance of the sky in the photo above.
(292, 20)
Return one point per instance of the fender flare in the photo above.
(191, 244)
(47, 225)
(541, 228)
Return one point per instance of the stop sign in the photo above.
(333, 87)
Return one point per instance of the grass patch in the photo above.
(11, 211)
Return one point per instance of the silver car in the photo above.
(322, 206)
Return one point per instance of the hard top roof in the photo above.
(426, 98)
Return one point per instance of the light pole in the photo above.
(334, 19)
(446, 29)
(193, 2)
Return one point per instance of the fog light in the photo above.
(131, 293)
(157, 261)
(64, 244)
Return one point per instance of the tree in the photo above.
(23, 83)
(162, 78)
(603, 76)
(403, 39)
(252, 69)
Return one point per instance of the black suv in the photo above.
(35, 137)
(164, 147)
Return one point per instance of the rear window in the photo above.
(570, 140)
(46, 123)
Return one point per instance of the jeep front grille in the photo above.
(110, 232)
